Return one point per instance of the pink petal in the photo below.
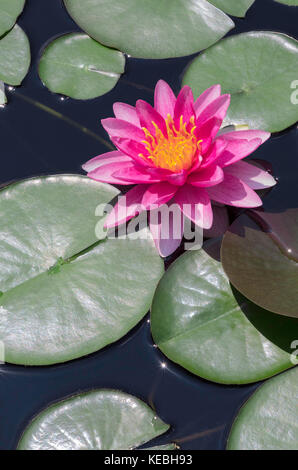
(167, 229)
(148, 116)
(158, 194)
(178, 179)
(133, 149)
(236, 150)
(123, 129)
(105, 173)
(184, 106)
(195, 204)
(160, 174)
(164, 99)
(247, 135)
(214, 152)
(207, 132)
(251, 175)
(234, 192)
(127, 207)
(206, 98)
(220, 224)
(217, 109)
(133, 174)
(126, 113)
(103, 159)
(209, 176)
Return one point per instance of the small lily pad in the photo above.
(258, 70)
(233, 7)
(97, 420)
(9, 12)
(202, 324)
(77, 66)
(268, 421)
(67, 294)
(151, 29)
(14, 56)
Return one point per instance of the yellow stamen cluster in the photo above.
(174, 152)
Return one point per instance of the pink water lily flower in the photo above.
(174, 153)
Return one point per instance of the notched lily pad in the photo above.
(14, 56)
(201, 323)
(260, 256)
(65, 293)
(9, 12)
(257, 69)
(77, 66)
(268, 421)
(151, 29)
(97, 420)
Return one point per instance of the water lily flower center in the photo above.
(175, 152)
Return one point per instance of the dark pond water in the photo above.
(35, 142)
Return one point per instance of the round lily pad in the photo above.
(9, 11)
(77, 66)
(260, 257)
(201, 323)
(96, 420)
(268, 421)
(151, 29)
(14, 56)
(257, 69)
(233, 7)
(66, 294)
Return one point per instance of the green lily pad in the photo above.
(292, 3)
(14, 56)
(3, 98)
(164, 447)
(151, 29)
(96, 420)
(233, 7)
(260, 257)
(77, 66)
(9, 12)
(65, 293)
(268, 421)
(199, 322)
(257, 69)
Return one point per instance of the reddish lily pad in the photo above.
(260, 256)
